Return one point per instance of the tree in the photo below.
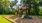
(1, 6)
(35, 5)
(13, 3)
(4, 5)
(40, 2)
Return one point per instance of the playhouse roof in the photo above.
(23, 8)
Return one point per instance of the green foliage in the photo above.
(40, 3)
(13, 11)
(40, 11)
(1, 7)
(13, 3)
(4, 5)
(35, 5)
(40, 17)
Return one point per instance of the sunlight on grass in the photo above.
(3, 20)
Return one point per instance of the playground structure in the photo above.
(23, 11)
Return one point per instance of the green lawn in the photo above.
(3, 20)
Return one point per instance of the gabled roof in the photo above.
(24, 8)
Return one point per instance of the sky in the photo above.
(11, 0)
(18, 1)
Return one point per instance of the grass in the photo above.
(40, 17)
(3, 20)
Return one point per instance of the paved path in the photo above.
(16, 19)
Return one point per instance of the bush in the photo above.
(40, 11)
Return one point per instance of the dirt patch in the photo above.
(16, 19)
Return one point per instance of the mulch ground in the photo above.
(16, 19)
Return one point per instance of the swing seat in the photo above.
(29, 17)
